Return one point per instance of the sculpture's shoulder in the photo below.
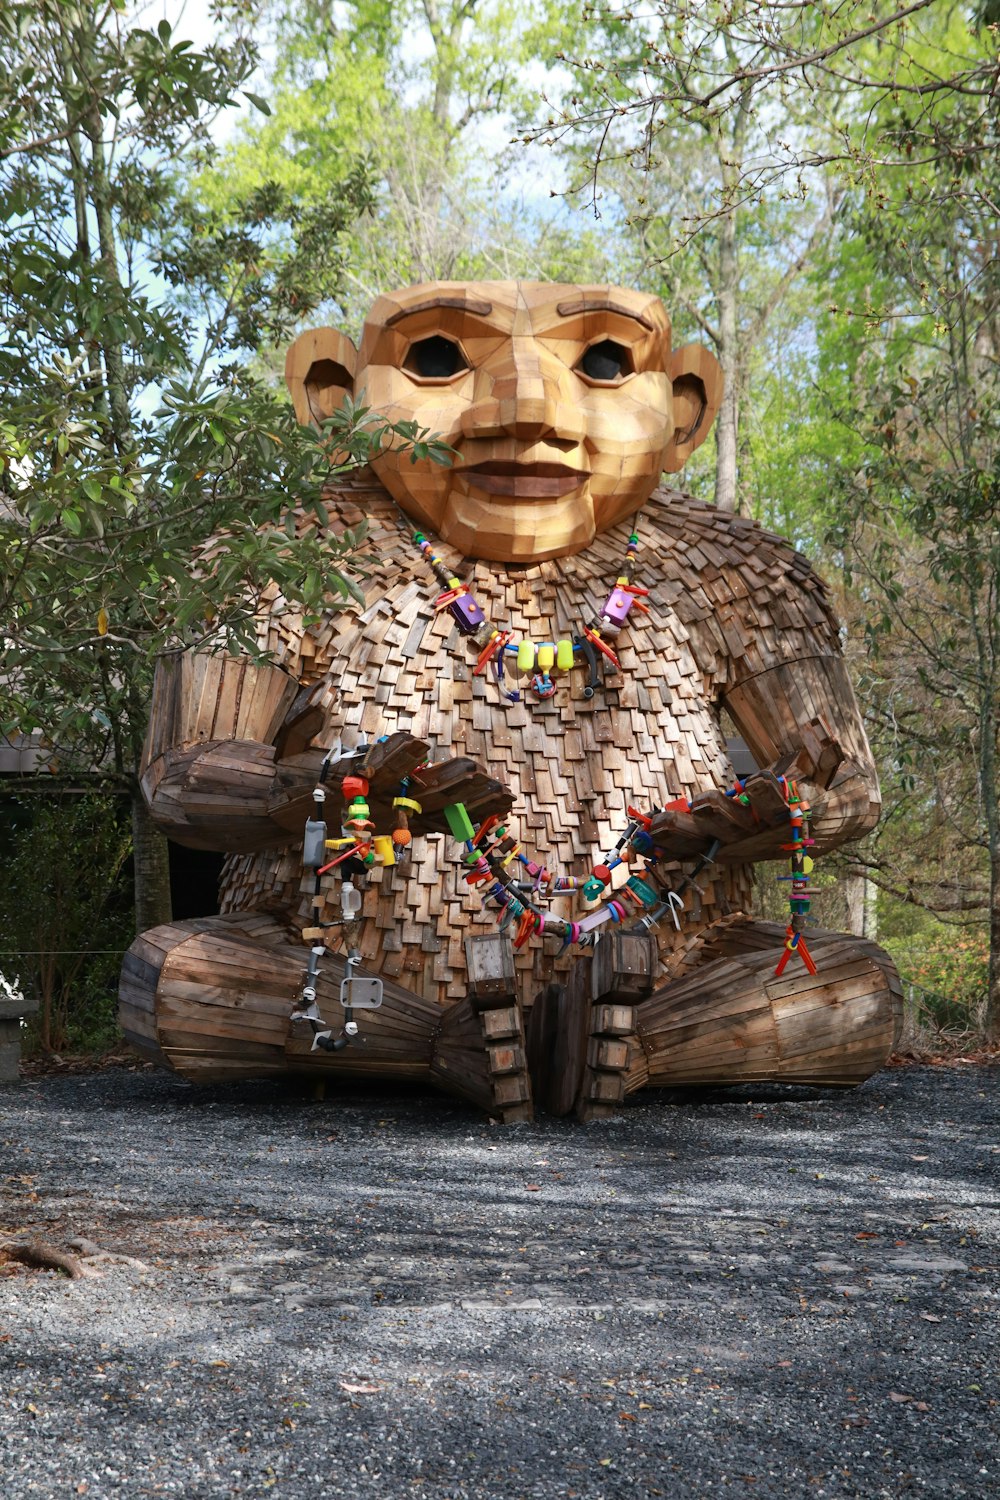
(764, 598)
(379, 565)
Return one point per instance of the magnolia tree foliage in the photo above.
(131, 431)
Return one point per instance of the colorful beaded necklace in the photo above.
(495, 859)
(498, 649)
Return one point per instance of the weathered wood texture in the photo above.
(572, 763)
(732, 1021)
(737, 621)
(624, 971)
(212, 999)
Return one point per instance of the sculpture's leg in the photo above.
(557, 1040)
(479, 1055)
(581, 1033)
(731, 1020)
(212, 999)
(479, 1049)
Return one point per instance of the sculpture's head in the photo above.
(565, 404)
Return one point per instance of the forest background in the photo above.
(812, 188)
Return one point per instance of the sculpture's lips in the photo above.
(541, 481)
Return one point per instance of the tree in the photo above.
(130, 432)
(427, 91)
(64, 912)
(920, 514)
(789, 101)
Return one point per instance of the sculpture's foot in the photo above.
(212, 999)
(480, 1056)
(732, 1020)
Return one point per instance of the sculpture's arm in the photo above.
(774, 710)
(223, 767)
(801, 722)
(228, 763)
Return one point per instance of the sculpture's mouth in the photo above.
(540, 481)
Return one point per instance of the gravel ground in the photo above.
(765, 1292)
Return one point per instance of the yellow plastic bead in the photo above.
(526, 656)
(546, 656)
(807, 865)
(407, 803)
(385, 851)
(564, 656)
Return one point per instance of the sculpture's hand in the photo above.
(759, 827)
(755, 829)
(456, 780)
(398, 758)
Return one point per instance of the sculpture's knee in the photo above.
(734, 1020)
(210, 998)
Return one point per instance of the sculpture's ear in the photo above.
(697, 380)
(319, 373)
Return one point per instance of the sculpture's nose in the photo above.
(530, 398)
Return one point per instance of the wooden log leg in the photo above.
(623, 969)
(479, 1048)
(212, 999)
(733, 1021)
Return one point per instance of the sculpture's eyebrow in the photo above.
(602, 304)
(465, 304)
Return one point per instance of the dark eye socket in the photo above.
(606, 361)
(435, 358)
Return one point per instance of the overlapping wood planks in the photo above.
(732, 1021)
(736, 618)
(623, 973)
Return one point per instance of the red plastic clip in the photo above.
(490, 650)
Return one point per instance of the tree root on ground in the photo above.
(43, 1257)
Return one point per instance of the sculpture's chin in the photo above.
(518, 530)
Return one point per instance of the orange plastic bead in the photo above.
(402, 836)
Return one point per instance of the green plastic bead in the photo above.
(459, 822)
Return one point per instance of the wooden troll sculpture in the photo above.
(528, 863)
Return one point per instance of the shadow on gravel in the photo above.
(764, 1291)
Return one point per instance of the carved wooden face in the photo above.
(564, 403)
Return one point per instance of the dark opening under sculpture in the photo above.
(537, 860)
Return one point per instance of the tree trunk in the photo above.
(152, 867)
(726, 423)
(854, 894)
(993, 980)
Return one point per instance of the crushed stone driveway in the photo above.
(764, 1292)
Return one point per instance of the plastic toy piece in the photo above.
(617, 606)
(459, 822)
(385, 851)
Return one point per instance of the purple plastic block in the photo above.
(467, 613)
(594, 919)
(618, 605)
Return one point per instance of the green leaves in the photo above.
(146, 477)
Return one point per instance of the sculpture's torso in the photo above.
(726, 601)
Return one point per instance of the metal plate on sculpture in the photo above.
(361, 993)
